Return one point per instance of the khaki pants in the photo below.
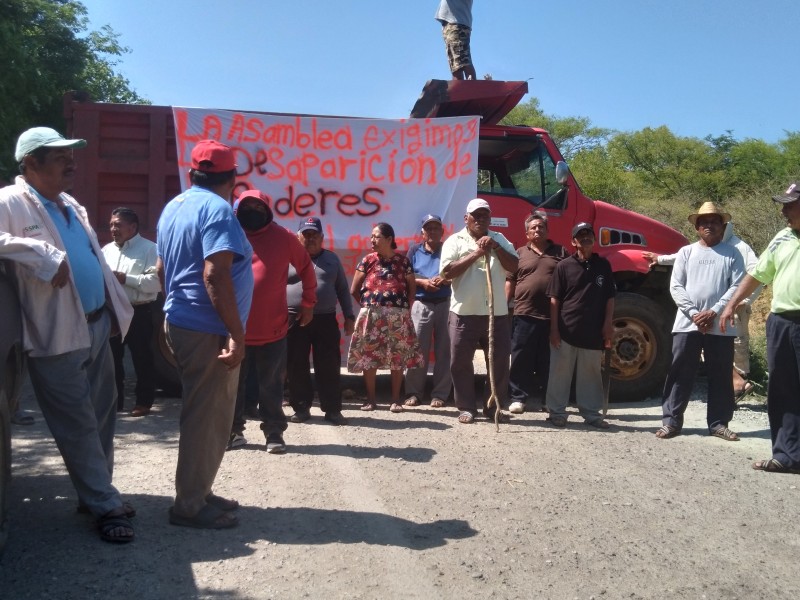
(209, 398)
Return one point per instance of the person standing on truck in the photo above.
(204, 269)
(456, 19)
(581, 295)
(429, 315)
(275, 249)
(321, 335)
(530, 326)
(132, 259)
(704, 278)
(779, 266)
(71, 302)
(741, 345)
(464, 262)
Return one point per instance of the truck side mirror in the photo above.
(562, 172)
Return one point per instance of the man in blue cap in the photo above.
(319, 336)
(429, 314)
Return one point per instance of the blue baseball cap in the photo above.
(309, 224)
(430, 219)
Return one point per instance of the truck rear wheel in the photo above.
(640, 350)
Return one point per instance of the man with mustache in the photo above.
(581, 295)
(71, 302)
(703, 281)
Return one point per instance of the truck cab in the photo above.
(520, 170)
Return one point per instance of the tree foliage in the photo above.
(46, 50)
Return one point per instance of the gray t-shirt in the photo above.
(331, 286)
(455, 11)
(704, 278)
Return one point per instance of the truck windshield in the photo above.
(518, 166)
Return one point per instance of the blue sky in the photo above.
(699, 67)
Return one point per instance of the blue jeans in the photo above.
(718, 354)
(77, 394)
(269, 361)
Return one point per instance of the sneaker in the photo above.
(516, 408)
(237, 440)
(275, 444)
(300, 417)
(335, 417)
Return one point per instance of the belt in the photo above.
(435, 300)
(95, 315)
(790, 315)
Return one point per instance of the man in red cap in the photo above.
(204, 267)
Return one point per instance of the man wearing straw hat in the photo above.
(704, 279)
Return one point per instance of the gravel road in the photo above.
(416, 505)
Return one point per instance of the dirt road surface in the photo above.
(418, 506)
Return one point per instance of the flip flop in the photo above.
(130, 511)
(466, 417)
(209, 517)
(222, 503)
(396, 408)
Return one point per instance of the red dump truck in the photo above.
(131, 160)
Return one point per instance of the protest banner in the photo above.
(349, 172)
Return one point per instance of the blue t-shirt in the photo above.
(426, 265)
(86, 270)
(193, 226)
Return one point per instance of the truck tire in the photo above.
(641, 350)
(167, 379)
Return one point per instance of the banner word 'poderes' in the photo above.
(349, 172)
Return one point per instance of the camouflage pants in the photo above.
(456, 40)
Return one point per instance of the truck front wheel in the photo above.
(640, 350)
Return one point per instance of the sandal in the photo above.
(725, 434)
(599, 424)
(108, 526)
(437, 403)
(748, 387)
(466, 417)
(773, 466)
(221, 503)
(396, 408)
(209, 517)
(411, 401)
(667, 431)
(367, 406)
(557, 421)
(489, 414)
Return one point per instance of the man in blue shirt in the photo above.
(204, 266)
(71, 303)
(430, 313)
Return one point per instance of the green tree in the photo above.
(46, 50)
(571, 134)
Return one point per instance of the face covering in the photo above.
(253, 220)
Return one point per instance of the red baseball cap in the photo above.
(210, 156)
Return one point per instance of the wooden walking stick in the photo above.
(493, 399)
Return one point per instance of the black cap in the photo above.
(580, 227)
(309, 224)
(791, 194)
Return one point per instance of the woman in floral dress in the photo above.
(384, 335)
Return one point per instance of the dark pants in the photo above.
(467, 333)
(783, 391)
(530, 359)
(139, 341)
(718, 354)
(320, 337)
(269, 361)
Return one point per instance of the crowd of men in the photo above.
(212, 261)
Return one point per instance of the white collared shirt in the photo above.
(137, 259)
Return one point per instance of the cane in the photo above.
(489, 367)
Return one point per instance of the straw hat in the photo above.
(709, 208)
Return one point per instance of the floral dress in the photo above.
(384, 336)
